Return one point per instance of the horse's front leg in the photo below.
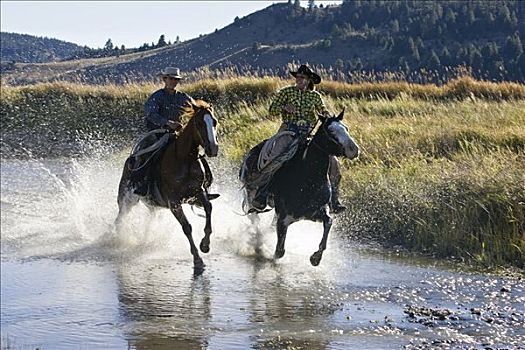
(205, 243)
(315, 259)
(176, 209)
(282, 228)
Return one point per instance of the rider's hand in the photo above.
(173, 125)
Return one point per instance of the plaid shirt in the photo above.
(307, 105)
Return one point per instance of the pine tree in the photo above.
(162, 41)
(504, 18)
(475, 58)
(446, 59)
(450, 17)
(433, 60)
(109, 45)
(388, 42)
(356, 64)
(461, 55)
(339, 64)
(311, 5)
(394, 26)
(414, 52)
(471, 18)
(521, 67)
(513, 47)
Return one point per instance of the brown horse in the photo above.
(178, 176)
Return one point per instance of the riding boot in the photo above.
(335, 205)
(210, 196)
(260, 200)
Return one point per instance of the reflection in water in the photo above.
(162, 307)
(276, 295)
(276, 304)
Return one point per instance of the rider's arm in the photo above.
(189, 99)
(278, 103)
(320, 106)
(152, 110)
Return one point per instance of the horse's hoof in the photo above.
(278, 254)
(315, 259)
(205, 246)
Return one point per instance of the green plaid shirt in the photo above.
(308, 104)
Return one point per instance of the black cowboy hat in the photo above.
(304, 69)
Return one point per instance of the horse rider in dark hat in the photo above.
(162, 112)
(298, 106)
(164, 107)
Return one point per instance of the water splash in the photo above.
(65, 208)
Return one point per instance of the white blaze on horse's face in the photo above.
(340, 133)
(212, 135)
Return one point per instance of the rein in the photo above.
(312, 142)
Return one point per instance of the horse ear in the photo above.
(340, 116)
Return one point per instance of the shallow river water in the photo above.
(69, 281)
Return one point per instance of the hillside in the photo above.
(374, 37)
(26, 48)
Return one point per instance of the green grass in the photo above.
(441, 171)
(470, 206)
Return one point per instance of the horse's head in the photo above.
(205, 127)
(339, 142)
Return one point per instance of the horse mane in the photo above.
(189, 110)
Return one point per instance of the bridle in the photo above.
(331, 139)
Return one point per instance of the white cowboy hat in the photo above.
(171, 72)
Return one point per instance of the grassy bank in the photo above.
(442, 168)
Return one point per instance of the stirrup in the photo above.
(253, 210)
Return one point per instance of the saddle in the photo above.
(147, 146)
(262, 162)
(144, 154)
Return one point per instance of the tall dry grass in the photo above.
(471, 206)
(441, 168)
